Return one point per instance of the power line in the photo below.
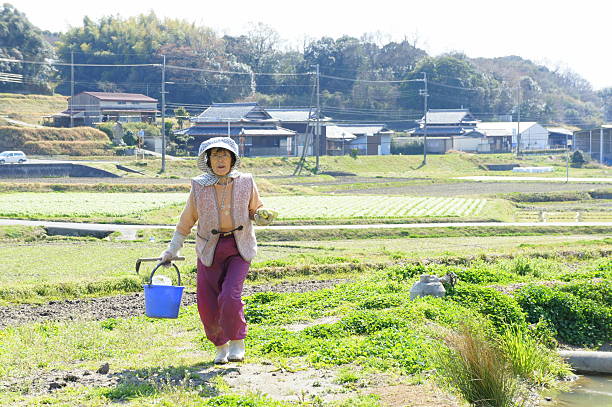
(369, 81)
(23, 61)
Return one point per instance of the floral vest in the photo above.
(208, 219)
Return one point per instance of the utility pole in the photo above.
(71, 88)
(163, 114)
(423, 92)
(566, 159)
(518, 124)
(318, 126)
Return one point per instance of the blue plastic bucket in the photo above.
(163, 301)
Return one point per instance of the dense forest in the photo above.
(361, 79)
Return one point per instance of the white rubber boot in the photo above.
(222, 352)
(236, 351)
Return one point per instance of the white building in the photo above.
(532, 136)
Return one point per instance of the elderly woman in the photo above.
(223, 202)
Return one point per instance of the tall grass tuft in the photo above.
(476, 369)
(530, 360)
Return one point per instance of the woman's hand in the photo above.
(166, 258)
(264, 217)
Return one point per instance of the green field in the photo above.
(124, 207)
(77, 204)
(346, 206)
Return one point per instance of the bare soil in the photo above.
(123, 306)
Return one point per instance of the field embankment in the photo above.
(31, 108)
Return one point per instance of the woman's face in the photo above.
(220, 161)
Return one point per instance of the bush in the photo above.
(600, 292)
(479, 274)
(499, 308)
(405, 272)
(578, 321)
(107, 128)
(578, 159)
(412, 147)
(565, 196)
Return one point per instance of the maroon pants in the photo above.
(219, 293)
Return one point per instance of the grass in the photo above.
(530, 360)
(30, 108)
(478, 370)
(36, 271)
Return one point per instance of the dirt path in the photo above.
(123, 306)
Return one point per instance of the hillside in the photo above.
(30, 108)
(550, 95)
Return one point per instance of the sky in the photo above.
(560, 34)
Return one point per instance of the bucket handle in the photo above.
(155, 269)
(139, 261)
(180, 258)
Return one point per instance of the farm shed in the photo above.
(597, 142)
(532, 135)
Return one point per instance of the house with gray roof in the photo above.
(250, 125)
(446, 123)
(303, 122)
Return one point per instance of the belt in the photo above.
(225, 234)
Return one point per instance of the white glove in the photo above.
(173, 248)
(264, 217)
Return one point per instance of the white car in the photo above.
(13, 157)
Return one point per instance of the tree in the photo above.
(181, 115)
(453, 82)
(19, 39)
(578, 159)
(143, 40)
(606, 96)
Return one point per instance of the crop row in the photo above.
(83, 204)
(296, 207)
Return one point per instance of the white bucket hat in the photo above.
(217, 142)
